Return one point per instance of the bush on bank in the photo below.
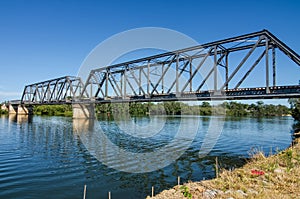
(53, 110)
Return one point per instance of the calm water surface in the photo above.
(44, 157)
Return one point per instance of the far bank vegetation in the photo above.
(205, 109)
(236, 109)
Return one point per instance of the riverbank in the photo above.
(276, 176)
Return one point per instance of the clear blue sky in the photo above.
(40, 40)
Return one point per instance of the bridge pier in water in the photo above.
(20, 109)
(83, 111)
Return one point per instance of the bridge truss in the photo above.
(216, 70)
(202, 72)
(55, 91)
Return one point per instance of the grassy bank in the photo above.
(276, 176)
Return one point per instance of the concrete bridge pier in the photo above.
(83, 111)
(20, 109)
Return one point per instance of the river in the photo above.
(54, 157)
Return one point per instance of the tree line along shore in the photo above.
(232, 108)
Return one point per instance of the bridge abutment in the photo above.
(83, 111)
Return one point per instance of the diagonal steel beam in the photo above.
(53, 90)
(130, 85)
(209, 74)
(114, 80)
(100, 86)
(179, 75)
(197, 69)
(137, 81)
(148, 79)
(250, 70)
(283, 47)
(112, 85)
(241, 63)
(163, 73)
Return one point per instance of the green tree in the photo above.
(295, 106)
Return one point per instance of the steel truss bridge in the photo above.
(217, 70)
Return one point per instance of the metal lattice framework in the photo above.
(215, 70)
(54, 91)
(195, 73)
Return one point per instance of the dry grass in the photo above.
(281, 179)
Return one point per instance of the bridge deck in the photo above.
(231, 94)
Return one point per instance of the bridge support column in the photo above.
(12, 109)
(83, 111)
(19, 109)
(24, 110)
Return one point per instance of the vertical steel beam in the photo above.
(274, 65)
(91, 90)
(140, 81)
(226, 68)
(162, 78)
(123, 83)
(106, 84)
(191, 72)
(177, 74)
(148, 78)
(267, 65)
(215, 69)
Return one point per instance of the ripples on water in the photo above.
(42, 157)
